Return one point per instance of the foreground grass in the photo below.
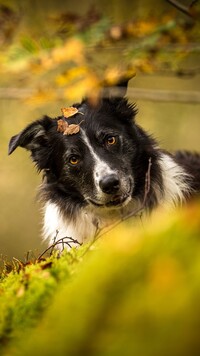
(138, 293)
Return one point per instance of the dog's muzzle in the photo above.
(110, 184)
(114, 192)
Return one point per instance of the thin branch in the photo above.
(186, 10)
(194, 2)
(63, 241)
(54, 241)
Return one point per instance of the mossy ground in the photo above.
(136, 293)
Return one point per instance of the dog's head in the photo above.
(99, 164)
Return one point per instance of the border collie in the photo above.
(107, 169)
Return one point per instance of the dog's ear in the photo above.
(119, 90)
(123, 85)
(33, 136)
(123, 107)
(35, 139)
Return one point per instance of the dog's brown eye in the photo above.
(111, 140)
(74, 160)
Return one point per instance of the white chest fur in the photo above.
(82, 228)
(56, 225)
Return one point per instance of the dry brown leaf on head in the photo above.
(72, 129)
(62, 126)
(67, 129)
(68, 112)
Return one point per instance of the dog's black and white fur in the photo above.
(94, 177)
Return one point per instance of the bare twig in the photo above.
(194, 2)
(54, 241)
(186, 10)
(147, 183)
(63, 241)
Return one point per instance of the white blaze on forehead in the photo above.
(101, 168)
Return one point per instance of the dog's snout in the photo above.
(109, 184)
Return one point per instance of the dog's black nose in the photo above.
(109, 184)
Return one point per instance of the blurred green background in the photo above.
(176, 125)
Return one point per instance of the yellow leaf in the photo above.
(68, 112)
(71, 51)
(75, 73)
(112, 76)
(86, 87)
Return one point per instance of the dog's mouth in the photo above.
(116, 201)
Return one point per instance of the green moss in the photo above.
(26, 294)
(137, 294)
